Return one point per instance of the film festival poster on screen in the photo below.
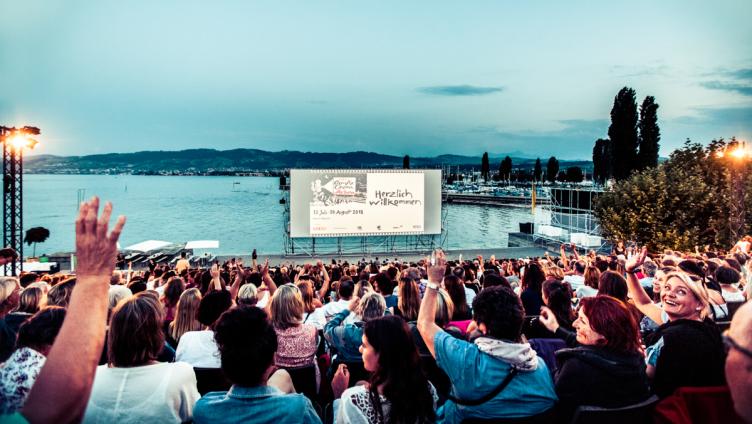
(360, 203)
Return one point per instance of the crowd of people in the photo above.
(433, 340)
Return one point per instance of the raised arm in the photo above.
(61, 392)
(563, 252)
(268, 280)
(576, 254)
(427, 313)
(325, 286)
(642, 301)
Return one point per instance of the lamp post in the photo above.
(738, 155)
(14, 141)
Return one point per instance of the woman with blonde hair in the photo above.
(687, 349)
(408, 299)
(10, 294)
(185, 316)
(297, 342)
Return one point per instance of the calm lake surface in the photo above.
(243, 213)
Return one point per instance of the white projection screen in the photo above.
(362, 202)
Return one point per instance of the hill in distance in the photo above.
(251, 160)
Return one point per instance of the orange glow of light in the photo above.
(21, 141)
(739, 153)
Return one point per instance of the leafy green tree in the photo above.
(678, 204)
(538, 171)
(650, 134)
(552, 169)
(485, 167)
(623, 133)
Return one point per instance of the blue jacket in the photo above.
(260, 405)
(345, 338)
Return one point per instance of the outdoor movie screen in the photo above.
(359, 202)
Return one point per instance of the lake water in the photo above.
(241, 216)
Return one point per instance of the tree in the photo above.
(406, 162)
(552, 169)
(602, 160)
(623, 133)
(574, 174)
(537, 171)
(505, 169)
(36, 235)
(681, 203)
(650, 134)
(485, 167)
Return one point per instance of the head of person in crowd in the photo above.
(557, 295)
(186, 317)
(10, 295)
(592, 276)
(612, 284)
(649, 268)
(31, 300)
(456, 289)
(247, 343)
(174, 288)
(601, 264)
(59, 294)
(459, 272)
(733, 263)
(116, 278)
(553, 272)
(683, 297)
(7, 255)
(444, 309)
(137, 286)
(739, 361)
(40, 330)
(384, 284)
(726, 276)
(391, 356)
(692, 267)
(28, 278)
(494, 280)
(362, 287)
(115, 294)
(408, 301)
(533, 278)
(607, 322)
(212, 305)
(346, 288)
(499, 313)
(286, 308)
(247, 295)
(136, 337)
(579, 267)
(371, 306)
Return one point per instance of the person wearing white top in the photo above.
(160, 392)
(198, 349)
(133, 387)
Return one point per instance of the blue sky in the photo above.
(420, 78)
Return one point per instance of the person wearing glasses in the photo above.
(687, 349)
(738, 340)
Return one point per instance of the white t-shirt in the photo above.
(576, 281)
(333, 308)
(199, 349)
(158, 393)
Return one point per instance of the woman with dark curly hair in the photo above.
(397, 391)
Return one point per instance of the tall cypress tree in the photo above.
(650, 134)
(505, 168)
(537, 171)
(602, 160)
(552, 169)
(484, 167)
(406, 162)
(623, 133)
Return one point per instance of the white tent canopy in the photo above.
(202, 244)
(148, 245)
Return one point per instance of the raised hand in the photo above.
(340, 381)
(438, 268)
(96, 250)
(636, 260)
(548, 319)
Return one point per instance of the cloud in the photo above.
(736, 80)
(742, 89)
(718, 117)
(459, 90)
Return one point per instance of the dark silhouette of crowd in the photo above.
(634, 336)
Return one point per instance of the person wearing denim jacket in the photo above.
(346, 338)
(247, 343)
